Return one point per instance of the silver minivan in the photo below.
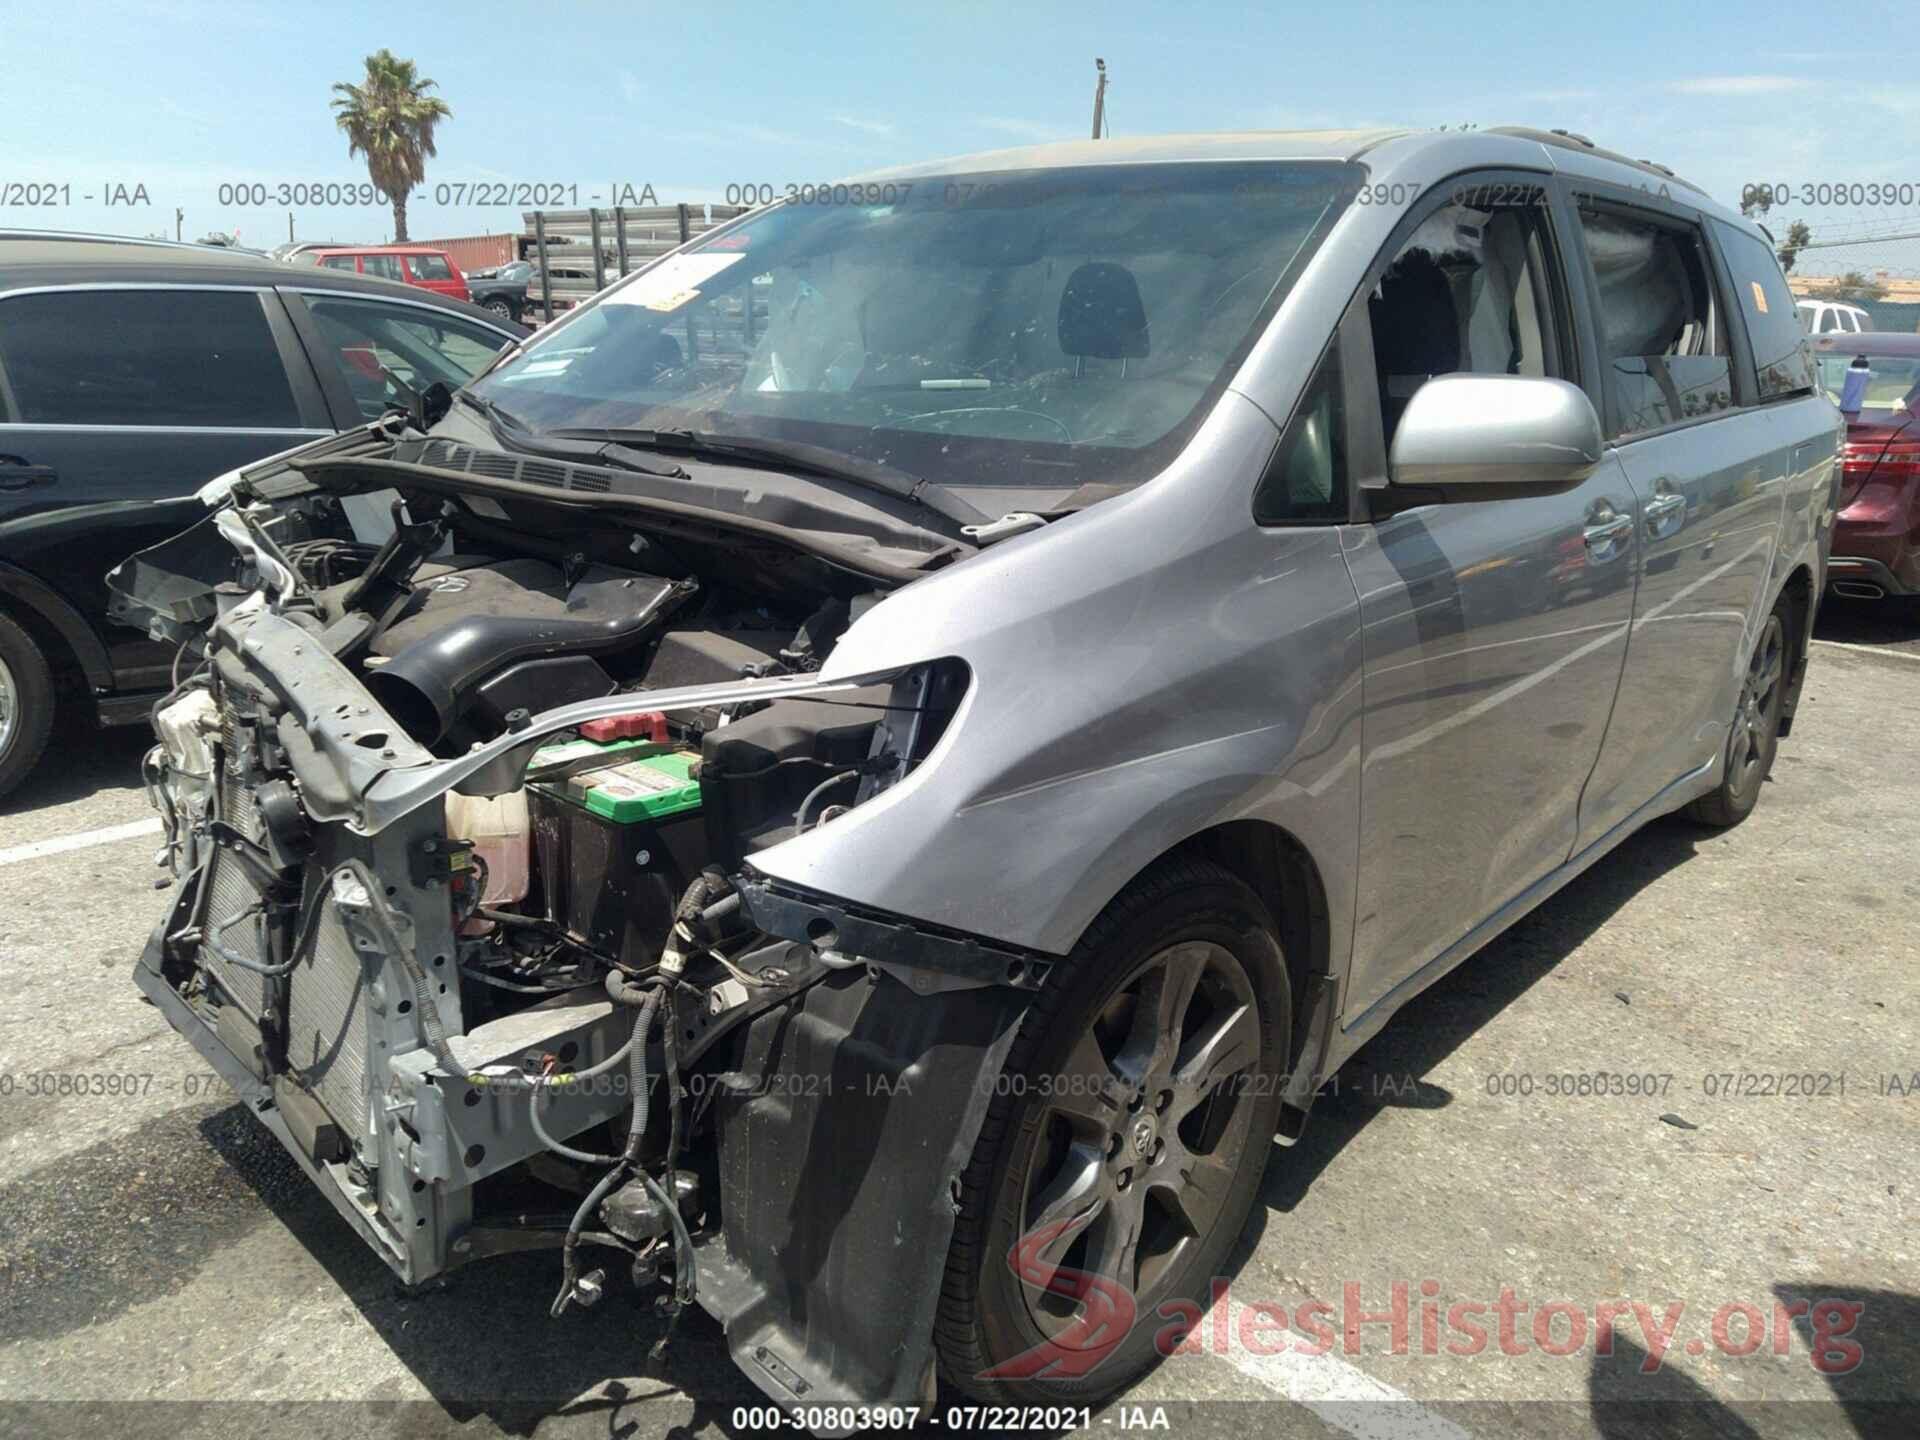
(876, 764)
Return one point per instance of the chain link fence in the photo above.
(1875, 265)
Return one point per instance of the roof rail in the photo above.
(1568, 140)
(94, 238)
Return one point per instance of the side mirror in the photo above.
(1494, 437)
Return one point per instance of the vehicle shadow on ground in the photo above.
(1390, 1072)
(1870, 622)
(1866, 1343)
(480, 1340)
(81, 761)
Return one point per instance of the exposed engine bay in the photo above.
(461, 803)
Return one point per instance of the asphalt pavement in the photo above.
(1689, 1080)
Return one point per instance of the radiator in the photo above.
(327, 1022)
(229, 892)
(326, 999)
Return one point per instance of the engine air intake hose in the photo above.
(427, 685)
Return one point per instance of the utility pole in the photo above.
(1099, 97)
(178, 216)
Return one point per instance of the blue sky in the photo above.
(180, 96)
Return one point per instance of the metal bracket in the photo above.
(1005, 528)
(956, 961)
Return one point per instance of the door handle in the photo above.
(1666, 511)
(1603, 535)
(17, 474)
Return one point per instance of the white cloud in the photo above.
(1740, 85)
(870, 127)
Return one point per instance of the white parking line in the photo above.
(131, 830)
(1345, 1397)
(1868, 650)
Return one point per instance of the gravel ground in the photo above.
(159, 1248)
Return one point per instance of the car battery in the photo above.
(618, 836)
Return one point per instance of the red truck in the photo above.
(420, 265)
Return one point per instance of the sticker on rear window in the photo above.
(1759, 296)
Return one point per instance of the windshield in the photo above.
(1042, 328)
(1890, 385)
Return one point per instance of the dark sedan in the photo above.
(132, 372)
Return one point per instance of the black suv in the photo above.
(131, 373)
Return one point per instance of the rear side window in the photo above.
(1663, 333)
(340, 262)
(387, 267)
(429, 267)
(1779, 354)
(144, 357)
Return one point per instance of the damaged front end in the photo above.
(463, 825)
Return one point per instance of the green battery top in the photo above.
(566, 752)
(649, 788)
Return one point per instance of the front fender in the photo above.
(1149, 668)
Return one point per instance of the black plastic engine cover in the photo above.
(476, 622)
(452, 589)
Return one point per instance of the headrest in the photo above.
(1101, 315)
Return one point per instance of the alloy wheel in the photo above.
(9, 706)
(1142, 1135)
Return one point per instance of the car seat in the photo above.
(1416, 332)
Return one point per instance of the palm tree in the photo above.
(390, 119)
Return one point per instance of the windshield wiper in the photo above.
(488, 408)
(793, 455)
(514, 434)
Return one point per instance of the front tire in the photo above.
(500, 306)
(26, 704)
(1754, 736)
(1123, 1147)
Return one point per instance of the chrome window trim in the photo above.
(6, 425)
(264, 287)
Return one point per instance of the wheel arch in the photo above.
(70, 644)
(1273, 863)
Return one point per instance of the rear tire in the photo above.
(26, 704)
(1754, 736)
(500, 306)
(1145, 1176)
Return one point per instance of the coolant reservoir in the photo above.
(184, 727)
(502, 838)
